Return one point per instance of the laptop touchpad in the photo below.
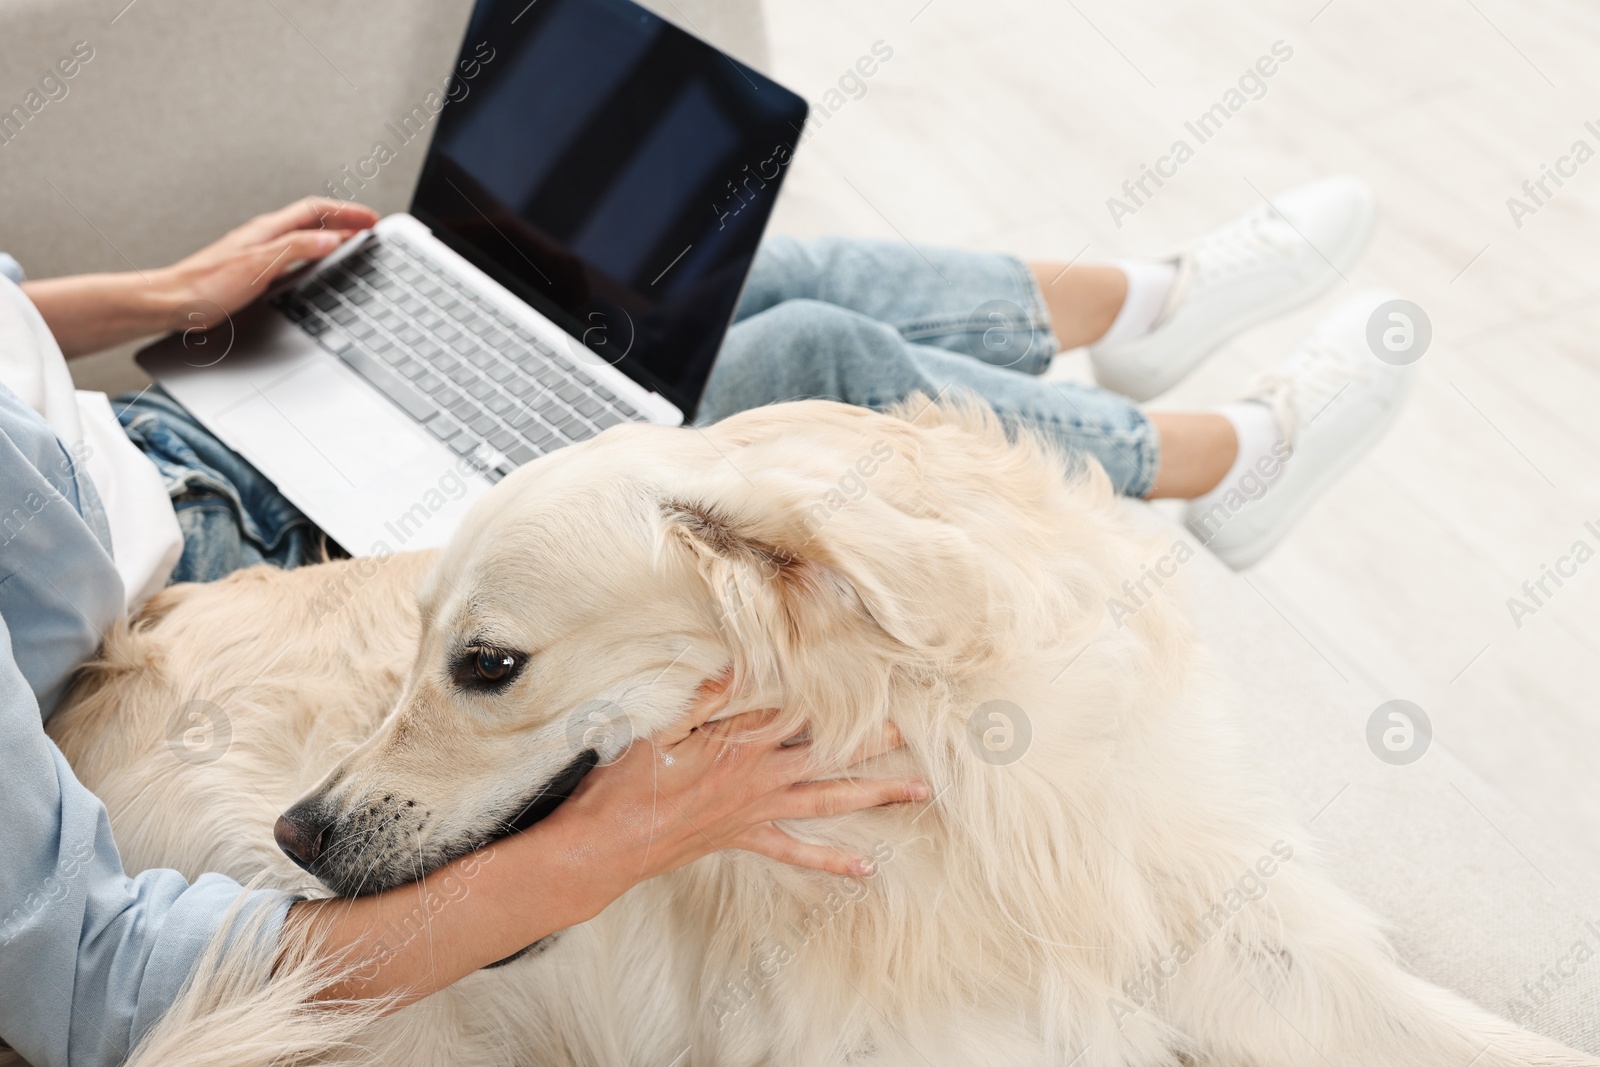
(328, 429)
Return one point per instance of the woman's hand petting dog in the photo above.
(719, 785)
(666, 802)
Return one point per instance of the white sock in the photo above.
(1261, 452)
(1149, 284)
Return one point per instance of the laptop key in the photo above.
(483, 425)
(389, 383)
(463, 444)
(464, 409)
(545, 440)
(587, 405)
(480, 389)
(442, 428)
(502, 439)
(520, 454)
(549, 409)
(607, 419)
(499, 403)
(335, 341)
(292, 306)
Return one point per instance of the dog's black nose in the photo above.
(302, 832)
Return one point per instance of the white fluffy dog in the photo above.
(1101, 878)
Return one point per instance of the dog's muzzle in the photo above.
(375, 846)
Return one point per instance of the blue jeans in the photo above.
(870, 322)
(230, 514)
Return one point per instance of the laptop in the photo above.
(579, 238)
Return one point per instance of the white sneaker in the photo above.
(1333, 399)
(1269, 262)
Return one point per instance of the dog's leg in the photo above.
(1310, 982)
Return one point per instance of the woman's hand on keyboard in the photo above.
(90, 312)
(233, 271)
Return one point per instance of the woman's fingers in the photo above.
(770, 841)
(839, 796)
(709, 699)
(745, 728)
(311, 213)
(279, 257)
(888, 740)
(342, 215)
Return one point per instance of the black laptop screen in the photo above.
(613, 171)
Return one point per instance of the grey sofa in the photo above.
(194, 114)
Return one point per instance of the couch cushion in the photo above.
(191, 117)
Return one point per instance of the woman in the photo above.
(103, 508)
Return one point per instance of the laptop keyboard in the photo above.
(477, 380)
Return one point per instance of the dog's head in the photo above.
(585, 600)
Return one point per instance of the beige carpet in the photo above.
(1008, 123)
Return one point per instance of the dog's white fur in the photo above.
(852, 568)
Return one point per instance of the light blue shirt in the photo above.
(89, 956)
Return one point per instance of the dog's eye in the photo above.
(486, 668)
(494, 666)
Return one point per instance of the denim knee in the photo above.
(804, 349)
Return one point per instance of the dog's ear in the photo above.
(780, 578)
